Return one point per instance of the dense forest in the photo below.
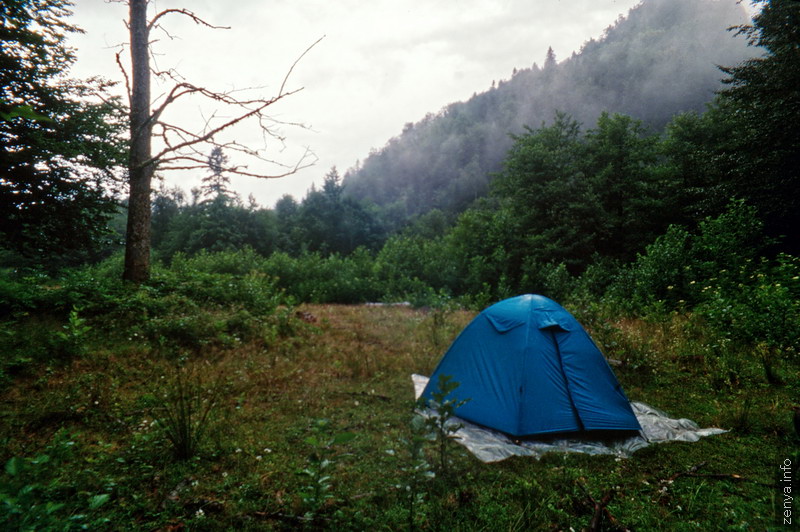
(649, 182)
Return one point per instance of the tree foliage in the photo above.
(217, 183)
(61, 140)
(764, 98)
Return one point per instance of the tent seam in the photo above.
(567, 381)
(524, 377)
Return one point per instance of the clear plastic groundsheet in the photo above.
(491, 446)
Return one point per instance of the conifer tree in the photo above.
(763, 99)
(60, 140)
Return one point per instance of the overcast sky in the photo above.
(381, 63)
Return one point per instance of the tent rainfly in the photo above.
(527, 367)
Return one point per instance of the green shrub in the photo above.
(415, 471)
(212, 300)
(660, 274)
(548, 279)
(239, 262)
(48, 491)
(71, 340)
(19, 293)
(332, 279)
(760, 317)
(443, 404)
(675, 267)
(410, 267)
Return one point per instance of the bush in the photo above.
(678, 263)
(761, 316)
(749, 305)
(332, 279)
(548, 279)
(658, 275)
(19, 293)
(410, 267)
(50, 491)
(239, 262)
(211, 300)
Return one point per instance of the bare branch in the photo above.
(291, 170)
(197, 20)
(208, 135)
(291, 68)
(191, 158)
(125, 75)
(182, 89)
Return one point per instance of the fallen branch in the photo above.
(370, 395)
(692, 472)
(600, 508)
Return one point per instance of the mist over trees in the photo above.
(660, 60)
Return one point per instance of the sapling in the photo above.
(320, 462)
(416, 470)
(443, 408)
(71, 340)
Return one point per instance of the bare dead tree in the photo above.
(180, 147)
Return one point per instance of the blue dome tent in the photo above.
(527, 367)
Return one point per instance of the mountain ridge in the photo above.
(660, 60)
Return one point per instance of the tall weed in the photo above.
(187, 407)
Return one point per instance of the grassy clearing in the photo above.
(268, 462)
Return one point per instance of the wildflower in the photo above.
(238, 450)
(258, 458)
(224, 474)
(199, 514)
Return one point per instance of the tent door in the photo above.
(554, 330)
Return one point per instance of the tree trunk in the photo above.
(140, 166)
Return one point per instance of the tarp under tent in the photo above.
(534, 382)
(492, 446)
(526, 367)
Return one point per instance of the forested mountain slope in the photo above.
(660, 60)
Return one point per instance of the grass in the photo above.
(110, 466)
